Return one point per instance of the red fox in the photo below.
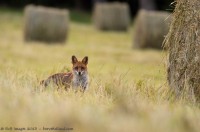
(78, 77)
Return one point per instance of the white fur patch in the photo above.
(81, 81)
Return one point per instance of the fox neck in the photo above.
(80, 81)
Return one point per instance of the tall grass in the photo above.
(127, 87)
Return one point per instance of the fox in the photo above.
(77, 78)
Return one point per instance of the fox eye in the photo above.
(76, 68)
(82, 68)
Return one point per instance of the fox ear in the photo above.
(74, 59)
(85, 60)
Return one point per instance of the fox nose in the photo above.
(79, 73)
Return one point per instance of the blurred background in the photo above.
(118, 15)
(87, 5)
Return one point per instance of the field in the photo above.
(128, 90)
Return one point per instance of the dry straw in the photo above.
(111, 16)
(45, 24)
(183, 43)
(150, 28)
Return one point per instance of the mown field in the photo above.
(128, 90)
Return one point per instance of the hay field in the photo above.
(128, 90)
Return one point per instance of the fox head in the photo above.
(79, 67)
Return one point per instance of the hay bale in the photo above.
(111, 16)
(183, 43)
(45, 24)
(150, 28)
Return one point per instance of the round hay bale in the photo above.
(111, 16)
(183, 43)
(45, 24)
(150, 27)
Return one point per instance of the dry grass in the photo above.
(127, 89)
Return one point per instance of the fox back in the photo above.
(78, 77)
